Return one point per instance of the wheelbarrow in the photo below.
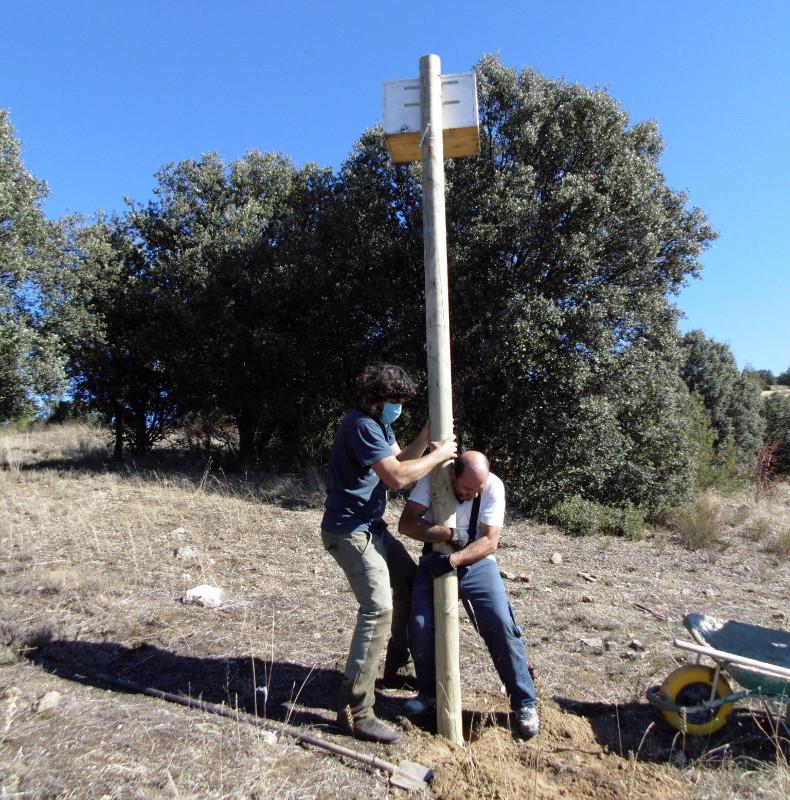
(697, 699)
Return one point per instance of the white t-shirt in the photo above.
(492, 504)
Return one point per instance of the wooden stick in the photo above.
(437, 318)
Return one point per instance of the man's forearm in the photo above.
(414, 450)
(412, 469)
(424, 531)
(473, 552)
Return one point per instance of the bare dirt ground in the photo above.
(94, 563)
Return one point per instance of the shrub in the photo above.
(697, 523)
(758, 530)
(780, 546)
(714, 469)
(776, 411)
(586, 517)
(761, 378)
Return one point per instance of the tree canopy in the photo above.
(250, 293)
(567, 247)
(30, 367)
(733, 401)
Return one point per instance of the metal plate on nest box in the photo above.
(460, 127)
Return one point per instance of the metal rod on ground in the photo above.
(406, 774)
(445, 589)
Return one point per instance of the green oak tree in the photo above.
(31, 365)
(230, 249)
(116, 327)
(776, 412)
(566, 250)
(732, 401)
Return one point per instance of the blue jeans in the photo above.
(482, 592)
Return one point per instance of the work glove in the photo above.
(438, 564)
(459, 538)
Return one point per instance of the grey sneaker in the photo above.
(527, 721)
(421, 704)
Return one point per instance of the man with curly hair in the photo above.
(364, 462)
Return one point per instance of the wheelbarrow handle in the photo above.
(765, 668)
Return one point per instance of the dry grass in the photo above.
(711, 520)
(93, 565)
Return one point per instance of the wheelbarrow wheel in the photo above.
(690, 686)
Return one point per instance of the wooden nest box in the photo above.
(460, 134)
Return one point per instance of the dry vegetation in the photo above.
(94, 561)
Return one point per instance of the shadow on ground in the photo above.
(300, 695)
(277, 690)
(281, 692)
(637, 730)
(291, 488)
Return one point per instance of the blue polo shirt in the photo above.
(355, 496)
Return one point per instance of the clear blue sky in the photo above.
(103, 93)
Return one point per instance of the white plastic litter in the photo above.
(203, 595)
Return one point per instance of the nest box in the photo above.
(460, 134)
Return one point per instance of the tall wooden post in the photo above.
(445, 589)
(448, 126)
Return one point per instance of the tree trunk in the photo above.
(118, 416)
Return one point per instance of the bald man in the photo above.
(479, 494)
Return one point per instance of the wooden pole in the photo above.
(445, 589)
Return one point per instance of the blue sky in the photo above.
(102, 94)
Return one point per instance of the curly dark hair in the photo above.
(380, 382)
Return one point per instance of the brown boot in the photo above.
(371, 729)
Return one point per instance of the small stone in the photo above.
(586, 598)
(186, 553)
(524, 578)
(47, 702)
(204, 595)
(610, 644)
(595, 644)
(506, 576)
(556, 558)
(269, 737)
(635, 644)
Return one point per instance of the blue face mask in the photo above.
(390, 412)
